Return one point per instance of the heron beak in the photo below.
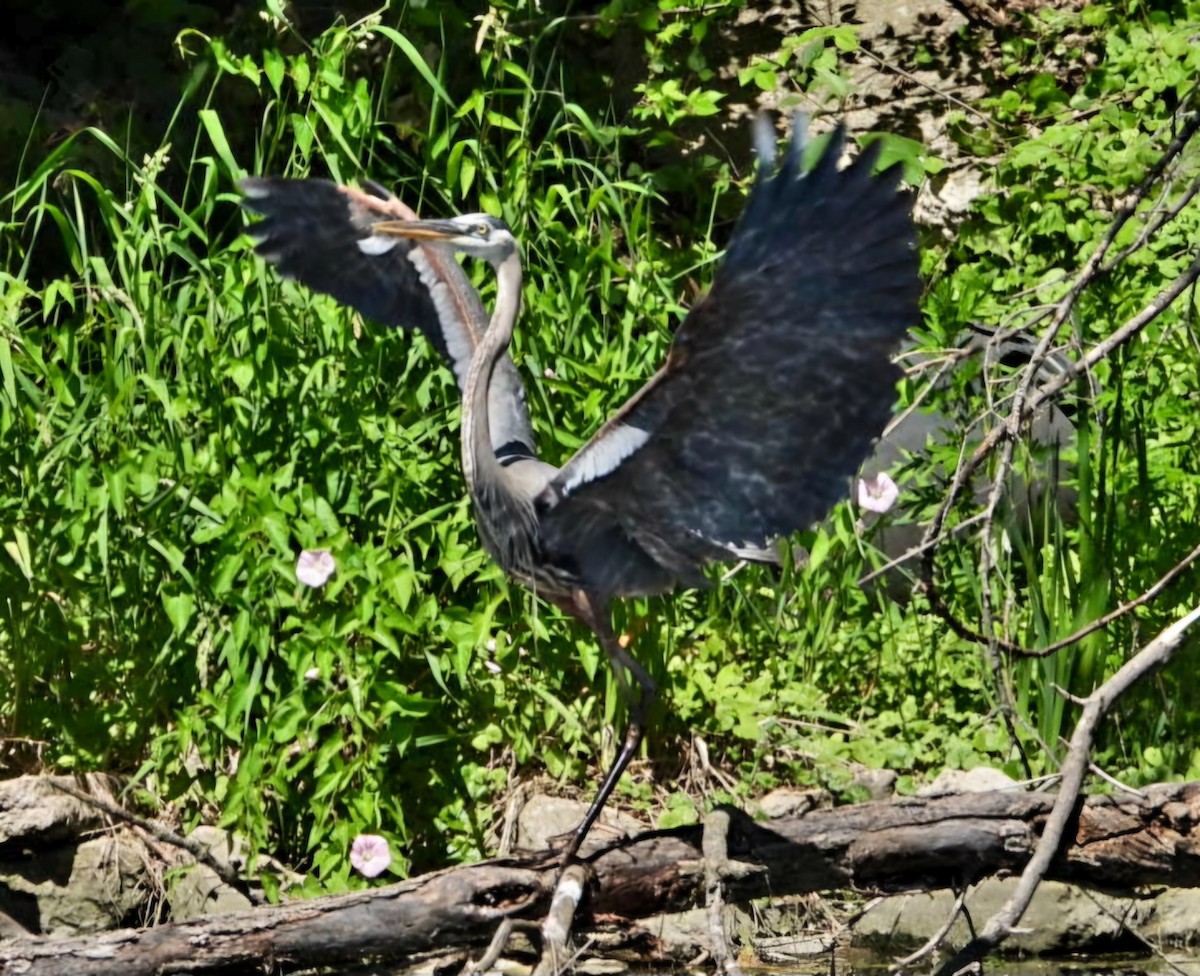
(417, 230)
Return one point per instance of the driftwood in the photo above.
(1116, 843)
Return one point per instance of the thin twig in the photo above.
(934, 940)
(1116, 783)
(1101, 622)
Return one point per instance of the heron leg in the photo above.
(596, 617)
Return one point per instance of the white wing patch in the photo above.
(602, 457)
(752, 553)
(455, 332)
(253, 189)
(376, 245)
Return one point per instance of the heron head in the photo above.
(479, 235)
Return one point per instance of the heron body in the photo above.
(775, 386)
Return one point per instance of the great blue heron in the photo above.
(773, 390)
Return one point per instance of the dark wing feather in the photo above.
(773, 390)
(311, 231)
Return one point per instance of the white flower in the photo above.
(315, 566)
(369, 855)
(877, 494)
(312, 674)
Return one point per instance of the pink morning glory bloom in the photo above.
(369, 855)
(877, 494)
(314, 567)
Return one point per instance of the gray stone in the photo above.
(684, 935)
(1174, 919)
(880, 783)
(79, 889)
(199, 890)
(1061, 918)
(981, 779)
(545, 818)
(34, 811)
(788, 802)
(783, 949)
(598, 966)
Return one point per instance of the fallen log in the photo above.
(1118, 843)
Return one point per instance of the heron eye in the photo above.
(482, 230)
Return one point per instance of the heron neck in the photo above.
(477, 451)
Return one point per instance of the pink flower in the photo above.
(369, 855)
(315, 566)
(877, 494)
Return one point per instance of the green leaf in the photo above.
(415, 59)
(211, 122)
(179, 608)
(274, 68)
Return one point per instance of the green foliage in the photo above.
(1101, 105)
(177, 424)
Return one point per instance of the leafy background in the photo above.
(176, 423)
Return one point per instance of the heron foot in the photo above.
(556, 929)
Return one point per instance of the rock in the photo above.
(981, 779)
(199, 890)
(880, 783)
(600, 967)
(54, 884)
(1061, 919)
(684, 935)
(946, 197)
(1174, 919)
(788, 802)
(75, 889)
(33, 811)
(544, 818)
(783, 949)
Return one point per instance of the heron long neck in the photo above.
(479, 461)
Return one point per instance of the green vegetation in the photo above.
(176, 424)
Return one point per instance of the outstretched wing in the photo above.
(312, 231)
(775, 386)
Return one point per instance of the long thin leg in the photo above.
(596, 617)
